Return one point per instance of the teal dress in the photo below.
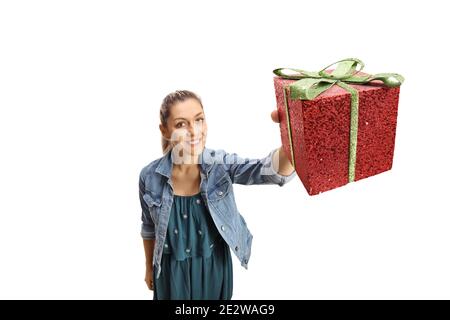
(196, 262)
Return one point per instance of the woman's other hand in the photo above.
(149, 277)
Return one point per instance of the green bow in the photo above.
(312, 84)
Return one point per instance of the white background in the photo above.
(81, 83)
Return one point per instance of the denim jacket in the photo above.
(218, 171)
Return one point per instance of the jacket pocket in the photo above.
(221, 189)
(154, 204)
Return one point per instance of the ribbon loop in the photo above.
(295, 74)
(344, 69)
(309, 88)
(389, 79)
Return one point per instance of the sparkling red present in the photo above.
(320, 133)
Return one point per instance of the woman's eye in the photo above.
(200, 119)
(179, 124)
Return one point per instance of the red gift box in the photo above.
(315, 133)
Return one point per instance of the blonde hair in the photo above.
(164, 112)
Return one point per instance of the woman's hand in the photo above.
(274, 116)
(285, 167)
(149, 277)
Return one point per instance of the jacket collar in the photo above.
(166, 164)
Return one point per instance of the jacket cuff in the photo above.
(147, 234)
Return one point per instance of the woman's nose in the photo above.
(194, 129)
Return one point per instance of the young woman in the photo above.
(190, 220)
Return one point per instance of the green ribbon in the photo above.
(311, 84)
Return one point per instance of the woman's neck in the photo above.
(186, 169)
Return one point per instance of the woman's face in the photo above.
(186, 127)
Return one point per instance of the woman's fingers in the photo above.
(274, 116)
(149, 279)
(149, 283)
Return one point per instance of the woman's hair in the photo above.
(164, 113)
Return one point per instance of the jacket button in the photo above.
(166, 245)
(198, 201)
(200, 232)
(188, 250)
(175, 231)
(185, 216)
(219, 193)
(245, 261)
(236, 248)
(223, 228)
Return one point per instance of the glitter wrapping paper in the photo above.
(321, 132)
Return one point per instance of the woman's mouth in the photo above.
(193, 143)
